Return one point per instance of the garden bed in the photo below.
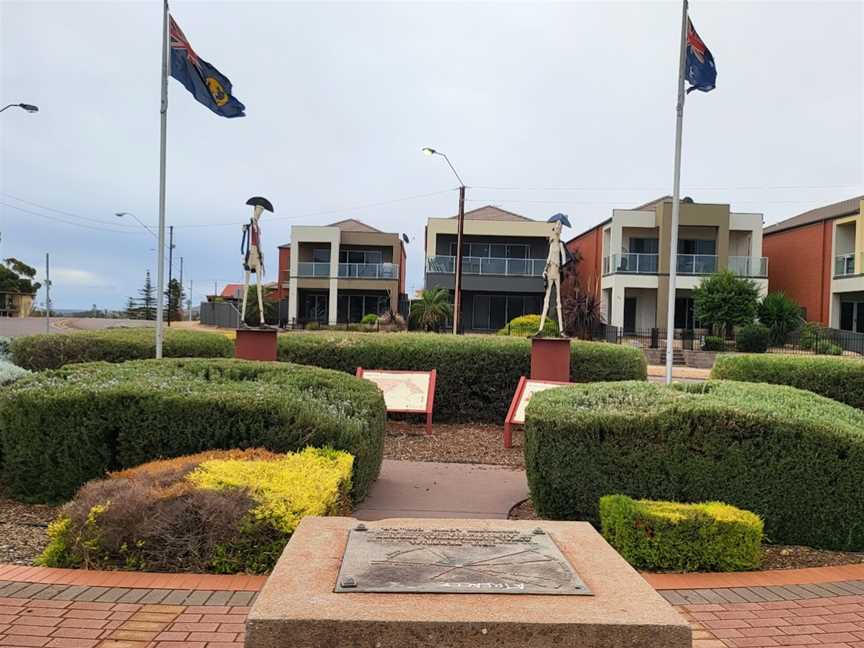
(477, 443)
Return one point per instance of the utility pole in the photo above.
(170, 265)
(47, 295)
(189, 301)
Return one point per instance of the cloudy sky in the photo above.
(542, 108)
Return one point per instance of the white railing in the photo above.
(367, 270)
(844, 265)
(630, 263)
(748, 266)
(697, 264)
(487, 266)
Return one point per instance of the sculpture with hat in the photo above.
(557, 258)
(253, 259)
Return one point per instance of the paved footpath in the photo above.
(58, 608)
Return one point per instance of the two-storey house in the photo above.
(338, 273)
(503, 258)
(626, 259)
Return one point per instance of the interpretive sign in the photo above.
(524, 391)
(454, 561)
(405, 391)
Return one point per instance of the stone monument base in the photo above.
(255, 344)
(550, 359)
(298, 607)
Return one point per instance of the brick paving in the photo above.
(57, 608)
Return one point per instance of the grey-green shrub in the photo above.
(9, 372)
(477, 374)
(841, 379)
(61, 428)
(792, 457)
(38, 352)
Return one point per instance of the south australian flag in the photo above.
(207, 84)
(700, 71)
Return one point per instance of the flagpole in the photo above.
(160, 281)
(676, 195)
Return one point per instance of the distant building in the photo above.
(817, 258)
(626, 259)
(16, 304)
(504, 256)
(340, 272)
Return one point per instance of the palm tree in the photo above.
(431, 311)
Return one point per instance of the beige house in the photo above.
(14, 304)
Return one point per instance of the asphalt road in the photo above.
(12, 327)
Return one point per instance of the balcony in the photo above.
(697, 264)
(632, 263)
(349, 270)
(487, 266)
(749, 266)
(844, 265)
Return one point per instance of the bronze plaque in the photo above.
(456, 561)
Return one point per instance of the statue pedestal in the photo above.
(255, 344)
(550, 359)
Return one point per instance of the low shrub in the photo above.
(528, 325)
(754, 338)
(369, 318)
(9, 372)
(792, 457)
(477, 374)
(226, 512)
(713, 343)
(38, 352)
(810, 334)
(827, 347)
(682, 537)
(62, 428)
(312, 326)
(5, 353)
(841, 379)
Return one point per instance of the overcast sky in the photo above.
(541, 107)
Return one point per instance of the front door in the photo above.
(629, 314)
(315, 308)
(847, 316)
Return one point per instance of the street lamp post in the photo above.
(460, 227)
(30, 108)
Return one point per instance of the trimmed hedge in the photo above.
(61, 428)
(39, 352)
(754, 338)
(224, 511)
(841, 379)
(477, 374)
(792, 457)
(709, 536)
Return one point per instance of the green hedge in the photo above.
(792, 457)
(38, 352)
(841, 379)
(61, 428)
(477, 374)
(709, 536)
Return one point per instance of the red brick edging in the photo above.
(773, 578)
(131, 580)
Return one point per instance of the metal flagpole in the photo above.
(47, 295)
(160, 289)
(676, 195)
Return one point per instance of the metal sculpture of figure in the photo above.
(556, 259)
(253, 259)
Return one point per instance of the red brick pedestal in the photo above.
(255, 344)
(550, 359)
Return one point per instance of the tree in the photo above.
(145, 306)
(781, 314)
(174, 296)
(724, 300)
(16, 276)
(583, 313)
(431, 311)
(132, 309)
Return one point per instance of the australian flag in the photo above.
(207, 84)
(700, 71)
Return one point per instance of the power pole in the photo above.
(170, 263)
(47, 295)
(189, 301)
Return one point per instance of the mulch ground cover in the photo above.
(773, 556)
(481, 443)
(23, 531)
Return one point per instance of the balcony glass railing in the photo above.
(367, 270)
(630, 263)
(697, 264)
(844, 265)
(749, 266)
(487, 266)
(313, 269)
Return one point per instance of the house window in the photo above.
(321, 255)
(697, 246)
(495, 251)
(360, 256)
(644, 246)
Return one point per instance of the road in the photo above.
(11, 326)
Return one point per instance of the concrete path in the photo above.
(443, 490)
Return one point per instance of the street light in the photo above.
(460, 226)
(30, 108)
(122, 214)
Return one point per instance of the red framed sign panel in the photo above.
(524, 391)
(412, 392)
